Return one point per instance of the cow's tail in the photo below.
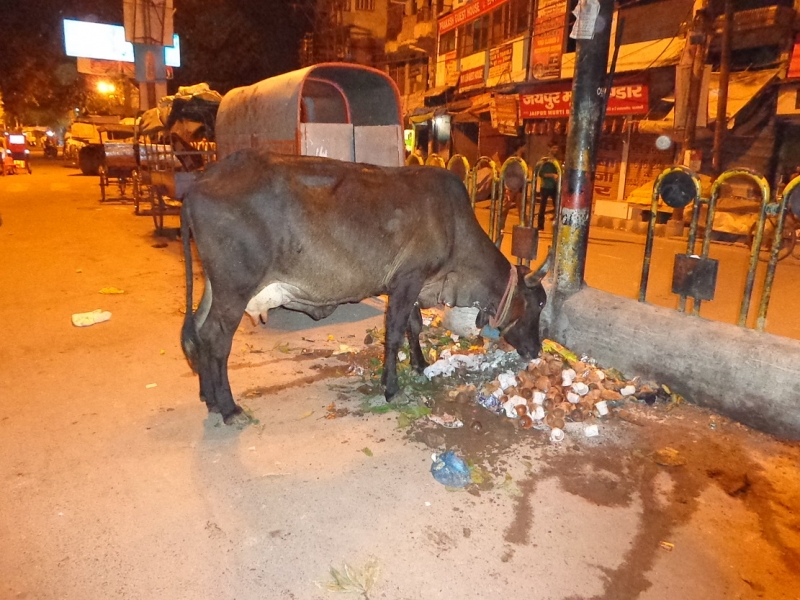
(190, 342)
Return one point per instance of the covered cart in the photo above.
(339, 110)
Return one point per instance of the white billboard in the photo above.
(107, 42)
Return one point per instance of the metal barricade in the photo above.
(679, 187)
(789, 202)
(695, 275)
(434, 160)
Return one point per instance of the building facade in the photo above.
(486, 77)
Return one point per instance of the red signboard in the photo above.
(794, 63)
(548, 38)
(467, 13)
(553, 101)
(471, 79)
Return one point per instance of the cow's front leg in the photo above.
(401, 303)
(418, 361)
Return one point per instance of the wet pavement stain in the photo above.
(302, 357)
(324, 372)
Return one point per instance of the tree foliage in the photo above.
(226, 43)
(38, 82)
(232, 43)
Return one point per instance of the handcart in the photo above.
(120, 167)
(169, 169)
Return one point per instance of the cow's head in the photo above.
(521, 326)
(519, 323)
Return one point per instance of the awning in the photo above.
(421, 115)
(464, 117)
(636, 57)
(743, 86)
(438, 91)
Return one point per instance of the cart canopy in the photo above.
(344, 111)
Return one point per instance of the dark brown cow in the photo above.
(312, 233)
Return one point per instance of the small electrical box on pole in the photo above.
(149, 27)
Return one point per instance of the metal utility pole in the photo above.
(699, 38)
(721, 125)
(586, 113)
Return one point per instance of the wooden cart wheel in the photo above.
(103, 182)
(136, 190)
(158, 210)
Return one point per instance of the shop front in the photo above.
(623, 158)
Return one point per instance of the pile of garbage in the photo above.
(558, 392)
(552, 391)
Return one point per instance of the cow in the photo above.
(310, 233)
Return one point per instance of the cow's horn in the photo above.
(535, 277)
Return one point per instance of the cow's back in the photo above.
(353, 226)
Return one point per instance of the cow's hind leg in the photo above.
(418, 361)
(401, 303)
(216, 335)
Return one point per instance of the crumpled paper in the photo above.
(90, 318)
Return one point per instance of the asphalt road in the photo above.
(116, 483)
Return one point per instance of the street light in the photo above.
(105, 87)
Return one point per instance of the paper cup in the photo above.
(556, 435)
(601, 408)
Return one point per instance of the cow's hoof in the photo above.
(214, 409)
(237, 418)
(399, 398)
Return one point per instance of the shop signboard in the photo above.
(554, 101)
(504, 111)
(471, 79)
(467, 13)
(500, 62)
(607, 173)
(548, 38)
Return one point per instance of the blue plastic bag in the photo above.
(450, 469)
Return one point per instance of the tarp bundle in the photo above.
(191, 114)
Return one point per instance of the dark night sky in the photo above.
(226, 43)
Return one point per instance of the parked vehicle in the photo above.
(6, 161)
(50, 148)
(84, 143)
(18, 149)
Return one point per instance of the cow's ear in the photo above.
(482, 320)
